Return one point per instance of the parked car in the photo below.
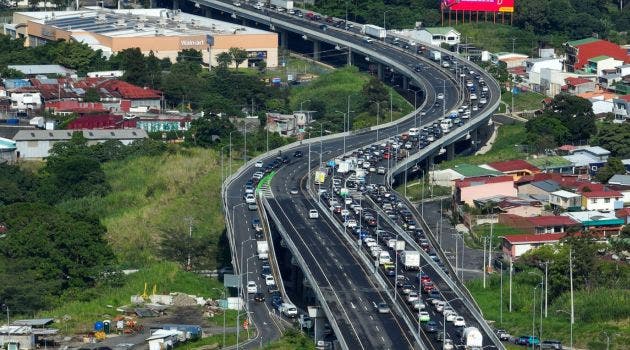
(551, 344)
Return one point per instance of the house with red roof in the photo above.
(467, 190)
(101, 121)
(578, 85)
(624, 214)
(515, 167)
(517, 245)
(539, 224)
(75, 106)
(579, 52)
(602, 200)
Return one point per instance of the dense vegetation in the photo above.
(535, 22)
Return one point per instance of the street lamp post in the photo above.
(542, 285)
(240, 284)
(224, 295)
(384, 13)
(501, 297)
(570, 327)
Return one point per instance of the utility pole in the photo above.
(571, 285)
(484, 261)
(391, 106)
(189, 221)
(513, 41)
(546, 286)
(510, 305)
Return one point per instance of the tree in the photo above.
(614, 137)
(74, 55)
(91, 95)
(238, 55)
(575, 114)
(374, 91)
(132, 61)
(203, 130)
(189, 55)
(612, 167)
(546, 128)
(224, 59)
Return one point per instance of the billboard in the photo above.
(479, 5)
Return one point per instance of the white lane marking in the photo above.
(352, 305)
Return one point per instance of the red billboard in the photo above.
(479, 5)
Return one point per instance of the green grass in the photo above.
(292, 340)
(523, 101)
(330, 92)
(151, 195)
(101, 303)
(498, 37)
(215, 341)
(596, 311)
(502, 149)
(230, 318)
(415, 189)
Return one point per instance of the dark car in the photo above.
(259, 297)
(272, 289)
(551, 344)
(276, 301)
(298, 154)
(431, 327)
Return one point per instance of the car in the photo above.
(265, 270)
(252, 206)
(503, 335)
(258, 164)
(368, 40)
(294, 191)
(383, 308)
(272, 289)
(249, 198)
(251, 287)
(448, 344)
(298, 154)
(412, 296)
(431, 327)
(451, 316)
(423, 316)
(313, 214)
(259, 297)
(440, 96)
(237, 3)
(551, 344)
(269, 281)
(406, 288)
(352, 223)
(258, 175)
(249, 189)
(459, 322)
(418, 305)
(427, 287)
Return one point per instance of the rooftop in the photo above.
(478, 181)
(440, 30)
(596, 150)
(618, 179)
(6, 144)
(36, 69)
(599, 58)
(549, 162)
(565, 194)
(592, 217)
(602, 194)
(622, 212)
(541, 238)
(546, 185)
(62, 135)
(34, 322)
(469, 170)
(552, 220)
(574, 81)
(513, 165)
(576, 43)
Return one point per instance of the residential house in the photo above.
(437, 36)
(579, 52)
(551, 164)
(516, 168)
(606, 201)
(32, 70)
(578, 85)
(534, 67)
(25, 99)
(7, 150)
(621, 183)
(468, 190)
(65, 107)
(598, 64)
(510, 59)
(540, 188)
(621, 108)
(565, 200)
(447, 177)
(601, 101)
(601, 224)
(623, 214)
(516, 245)
(539, 224)
(588, 160)
(524, 207)
(282, 124)
(36, 144)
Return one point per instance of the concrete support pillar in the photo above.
(405, 83)
(207, 12)
(316, 50)
(175, 4)
(474, 138)
(379, 71)
(284, 39)
(318, 319)
(349, 63)
(450, 151)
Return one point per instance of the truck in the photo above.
(288, 309)
(384, 258)
(374, 31)
(472, 338)
(285, 4)
(262, 248)
(435, 55)
(410, 259)
(396, 244)
(320, 177)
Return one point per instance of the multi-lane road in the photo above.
(349, 287)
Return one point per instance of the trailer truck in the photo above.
(285, 4)
(472, 338)
(374, 31)
(262, 248)
(410, 259)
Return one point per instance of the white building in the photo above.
(534, 66)
(565, 200)
(597, 64)
(621, 107)
(36, 144)
(26, 101)
(164, 339)
(510, 59)
(603, 201)
(435, 36)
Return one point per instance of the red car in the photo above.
(427, 287)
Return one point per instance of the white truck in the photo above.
(289, 310)
(472, 338)
(410, 259)
(396, 244)
(287, 5)
(374, 31)
(435, 55)
(262, 248)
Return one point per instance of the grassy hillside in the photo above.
(152, 195)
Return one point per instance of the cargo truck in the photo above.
(374, 31)
(396, 244)
(435, 55)
(262, 248)
(410, 259)
(287, 5)
(472, 338)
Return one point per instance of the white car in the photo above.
(258, 175)
(459, 322)
(439, 307)
(440, 96)
(418, 305)
(412, 297)
(372, 169)
(258, 164)
(269, 281)
(250, 199)
(352, 223)
(448, 344)
(345, 212)
(450, 317)
(251, 287)
(313, 214)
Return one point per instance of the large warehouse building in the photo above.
(162, 31)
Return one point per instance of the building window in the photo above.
(606, 200)
(593, 201)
